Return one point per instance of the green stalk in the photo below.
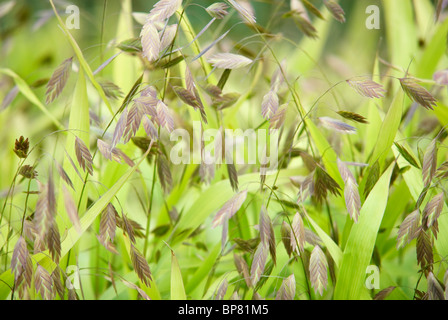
(145, 246)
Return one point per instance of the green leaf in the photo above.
(361, 241)
(405, 153)
(177, 284)
(328, 154)
(203, 271)
(79, 123)
(434, 51)
(388, 129)
(332, 247)
(73, 236)
(29, 94)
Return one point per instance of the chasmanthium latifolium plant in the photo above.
(347, 196)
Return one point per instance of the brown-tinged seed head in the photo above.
(336, 10)
(58, 80)
(21, 147)
(417, 93)
(218, 10)
(28, 172)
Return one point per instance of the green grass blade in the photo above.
(327, 152)
(177, 284)
(29, 94)
(400, 32)
(388, 129)
(332, 247)
(203, 271)
(82, 60)
(359, 248)
(442, 113)
(434, 51)
(91, 214)
(79, 124)
(217, 194)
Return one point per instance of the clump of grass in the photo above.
(343, 191)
